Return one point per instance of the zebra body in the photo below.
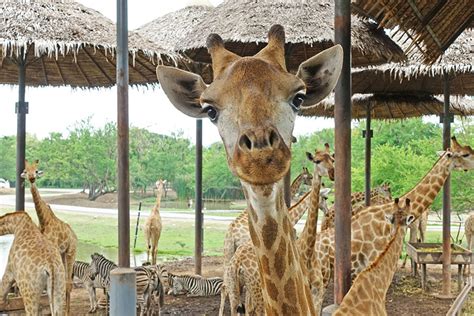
(194, 285)
(81, 270)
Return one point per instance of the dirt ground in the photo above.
(404, 297)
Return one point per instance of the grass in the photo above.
(99, 233)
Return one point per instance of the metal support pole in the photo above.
(368, 156)
(287, 186)
(21, 111)
(123, 135)
(123, 293)
(342, 114)
(446, 197)
(198, 205)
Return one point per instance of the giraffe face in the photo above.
(324, 162)
(463, 156)
(31, 171)
(307, 176)
(160, 185)
(253, 101)
(401, 216)
(384, 190)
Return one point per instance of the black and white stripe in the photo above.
(81, 270)
(194, 285)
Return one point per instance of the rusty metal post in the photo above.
(122, 135)
(21, 109)
(287, 188)
(342, 115)
(123, 293)
(198, 205)
(368, 155)
(446, 197)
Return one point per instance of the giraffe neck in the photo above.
(12, 223)
(285, 288)
(363, 295)
(357, 197)
(424, 193)
(307, 238)
(42, 209)
(295, 185)
(297, 210)
(156, 208)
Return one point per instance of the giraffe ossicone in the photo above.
(253, 101)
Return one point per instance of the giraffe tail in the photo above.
(50, 275)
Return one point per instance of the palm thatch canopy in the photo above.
(67, 43)
(243, 24)
(418, 78)
(431, 26)
(394, 106)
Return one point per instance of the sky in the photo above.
(57, 109)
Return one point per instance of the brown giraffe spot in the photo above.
(254, 236)
(291, 310)
(286, 227)
(432, 195)
(290, 256)
(269, 232)
(290, 289)
(271, 289)
(265, 265)
(280, 264)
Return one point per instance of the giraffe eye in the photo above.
(297, 101)
(211, 112)
(465, 155)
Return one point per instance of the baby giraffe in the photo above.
(54, 229)
(368, 292)
(34, 263)
(153, 225)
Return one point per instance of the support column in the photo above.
(446, 197)
(342, 115)
(21, 109)
(123, 293)
(123, 136)
(287, 188)
(368, 155)
(198, 204)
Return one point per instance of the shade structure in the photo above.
(389, 107)
(418, 78)
(243, 24)
(66, 43)
(429, 26)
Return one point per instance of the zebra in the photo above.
(81, 270)
(148, 282)
(194, 285)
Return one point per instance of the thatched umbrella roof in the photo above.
(394, 106)
(419, 78)
(431, 26)
(243, 24)
(67, 43)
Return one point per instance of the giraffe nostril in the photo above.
(273, 139)
(245, 142)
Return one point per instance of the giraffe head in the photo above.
(384, 190)
(160, 185)
(463, 156)
(31, 171)
(307, 176)
(254, 101)
(401, 216)
(323, 199)
(324, 162)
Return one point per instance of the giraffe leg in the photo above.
(70, 256)
(223, 297)
(153, 254)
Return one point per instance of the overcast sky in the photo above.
(56, 109)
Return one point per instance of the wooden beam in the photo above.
(16, 303)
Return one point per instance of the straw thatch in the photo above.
(394, 106)
(244, 24)
(431, 26)
(416, 78)
(67, 43)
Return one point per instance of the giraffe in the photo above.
(379, 195)
(369, 230)
(242, 268)
(152, 228)
(368, 292)
(55, 230)
(34, 263)
(253, 101)
(304, 177)
(468, 231)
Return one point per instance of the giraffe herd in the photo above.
(282, 273)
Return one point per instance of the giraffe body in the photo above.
(253, 102)
(34, 263)
(153, 225)
(55, 230)
(368, 292)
